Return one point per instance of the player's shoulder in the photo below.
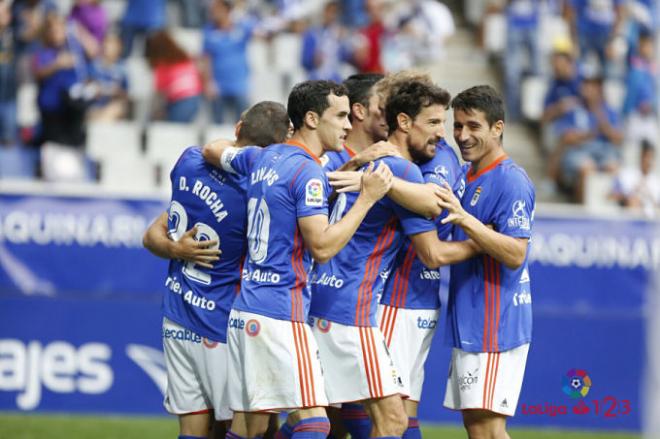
(400, 167)
(191, 156)
(509, 175)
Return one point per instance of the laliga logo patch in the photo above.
(252, 327)
(209, 343)
(314, 193)
(323, 325)
(475, 197)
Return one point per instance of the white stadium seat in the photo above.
(27, 112)
(214, 132)
(532, 93)
(108, 141)
(189, 39)
(167, 140)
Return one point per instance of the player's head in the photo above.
(263, 124)
(478, 121)
(418, 110)
(220, 11)
(366, 111)
(321, 107)
(392, 82)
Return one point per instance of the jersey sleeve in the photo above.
(440, 170)
(515, 210)
(310, 190)
(411, 222)
(239, 160)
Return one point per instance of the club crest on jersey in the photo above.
(323, 325)
(314, 193)
(475, 197)
(252, 327)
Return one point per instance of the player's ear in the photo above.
(311, 119)
(404, 122)
(237, 129)
(358, 112)
(497, 129)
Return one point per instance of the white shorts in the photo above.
(196, 373)
(486, 380)
(356, 363)
(273, 364)
(408, 334)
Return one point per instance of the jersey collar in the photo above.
(349, 151)
(304, 148)
(471, 176)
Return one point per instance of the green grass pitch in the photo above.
(19, 426)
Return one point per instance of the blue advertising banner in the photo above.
(77, 246)
(80, 315)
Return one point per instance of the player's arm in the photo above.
(374, 152)
(416, 197)
(220, 153)
(435, 253)
(508, 250)
(324, 240)
(157, 241)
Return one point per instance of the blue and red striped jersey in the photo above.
(490, 306)
(347, 288)
(286, 182)
(412, 285)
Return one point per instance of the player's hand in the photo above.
(202, 253)
(448, 201)
(376, 151)
(345, 181)
(376, 183)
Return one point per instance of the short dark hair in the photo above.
(311, 96)
(648, 146)
(411, 98)
(263, 124)
(483, 98)
(360, 87)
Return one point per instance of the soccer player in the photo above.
(489, 322)
(368, 126)
(346, 288)
(207, 205)
(274, 359)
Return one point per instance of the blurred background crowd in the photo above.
(96, 90)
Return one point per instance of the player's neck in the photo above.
(358, 140)
(487, 159)
(310, 140)
(398, 139)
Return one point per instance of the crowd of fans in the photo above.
(600, 111)
(76, 55)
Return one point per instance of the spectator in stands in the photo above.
(639, 188)
(109, 74)
(522, 38)
(91, 16)
(562, 97)
(176, 78)
(367, 55)
(590, 137)
(226, 70)
(594, 24)
(322, 50)
(8, 79)
(141, 17)
(60, 69)
(28, 18)
(640, 107)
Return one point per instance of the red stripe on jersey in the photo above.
(486, 304)
(497, 305)
(471, 176)
(301, 277)
(295, 175)
(301, 378)
(407, 267)
(372, 271)
(366, 362)
(310, 370)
